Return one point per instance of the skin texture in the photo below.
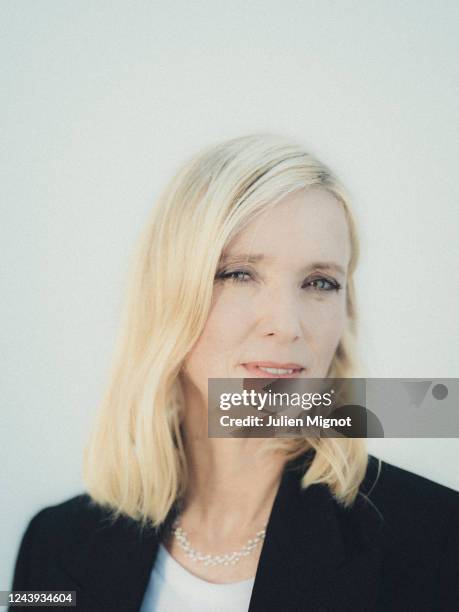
(281, 312)
(272, 315)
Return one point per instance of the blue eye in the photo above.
(237, 276)
(318, 284)
(323, 284)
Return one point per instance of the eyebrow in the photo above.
(255, 258)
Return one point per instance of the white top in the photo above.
(172, 588)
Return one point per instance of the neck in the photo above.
(232, 482)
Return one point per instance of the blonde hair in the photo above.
(135, 462)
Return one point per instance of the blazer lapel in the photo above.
(317, 555)
(111, 564)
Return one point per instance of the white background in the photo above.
(101, 100)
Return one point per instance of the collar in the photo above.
(314, 552)
(317, 554)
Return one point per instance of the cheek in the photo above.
(230, 319)
(326, 324)
(216, 351)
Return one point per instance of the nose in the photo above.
(281, 316)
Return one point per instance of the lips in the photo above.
(272, 369)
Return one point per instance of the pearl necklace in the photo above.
(212, 560)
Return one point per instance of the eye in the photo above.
(322, 284)
(237, 276)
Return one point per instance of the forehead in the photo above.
(310, 224)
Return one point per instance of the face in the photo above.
(279, 300)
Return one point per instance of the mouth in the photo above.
(270, 369)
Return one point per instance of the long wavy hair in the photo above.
(135, 461)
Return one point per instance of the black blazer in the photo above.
(398, 552)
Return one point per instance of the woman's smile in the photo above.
(271, 369)
(279, 293)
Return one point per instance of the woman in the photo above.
(244, 270)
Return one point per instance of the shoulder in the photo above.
(68, 518)
(420, 534)
(55, 530)
(399, 492)
(67, 523)
(418, 516)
